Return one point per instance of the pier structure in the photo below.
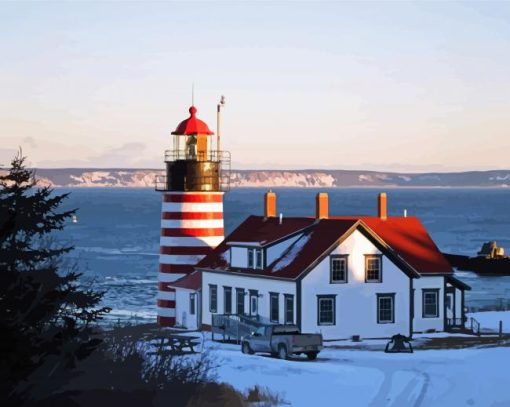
(197, 176)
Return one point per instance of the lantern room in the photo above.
(192, 138)
(193, 164)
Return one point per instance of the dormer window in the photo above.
(255, 258)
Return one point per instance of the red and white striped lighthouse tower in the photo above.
(192, 207)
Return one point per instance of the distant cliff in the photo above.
(82, 177)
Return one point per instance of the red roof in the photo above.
(192, 281)
(409, 238)
(192, 125)
(404, 240)
(257, 229)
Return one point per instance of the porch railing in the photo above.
(234, 326)
(474, 325)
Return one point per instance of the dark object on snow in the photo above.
(399, 344)
(490, 259)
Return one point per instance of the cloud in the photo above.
(132, 155)
(6, 155)
(30, 141)
(128, 155)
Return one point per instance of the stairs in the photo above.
(458, 325)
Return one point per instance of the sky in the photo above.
(389, 86)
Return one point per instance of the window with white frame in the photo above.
(227, 300)
(254, 302)
(256, 258)
(274, 310)
(259, 259)
(251, 258)
(213, 298)
(192, 304)
(338, 269)
(326, 310)
(430, 306)
(240, 301)
(386, 308)
(289, 308)
(373, 268)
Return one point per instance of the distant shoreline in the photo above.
(145, 178)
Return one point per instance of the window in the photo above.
(326, 310)
(240, 301)
(430, 303)
(289, 309)
(227, 300)
(274, 311)
(192, 297)
(338, 269)
(259, 263)
(251, 258)
(260, 331)
(255, 259)
(254, 299)
(373, 268)
(213, 298)
(385, 308)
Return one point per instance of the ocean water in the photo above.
(116, 238)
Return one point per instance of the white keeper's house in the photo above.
(372, 276)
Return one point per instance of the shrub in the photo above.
(262, 396)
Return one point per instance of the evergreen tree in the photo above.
(46, 317)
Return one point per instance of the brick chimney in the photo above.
(382, 206)
(270, 204)
(322, 206)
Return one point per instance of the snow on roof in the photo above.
(290, 255)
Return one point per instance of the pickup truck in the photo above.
(282, 341)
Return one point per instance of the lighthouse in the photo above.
(197, 176)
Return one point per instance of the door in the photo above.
(258, 338)
(450, 308)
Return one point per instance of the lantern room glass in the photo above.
(186, 147)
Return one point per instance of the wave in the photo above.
(122, 280)
(116, 252)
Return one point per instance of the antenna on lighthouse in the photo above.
(218, 119)
(192, 93)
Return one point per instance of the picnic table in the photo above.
(176, 343)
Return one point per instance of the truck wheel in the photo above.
(245, 348)
(311, 355)
(282, 352)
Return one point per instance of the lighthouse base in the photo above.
(166, 321)
(191, 226)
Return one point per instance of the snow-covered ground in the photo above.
(350, 373)
(343, 377)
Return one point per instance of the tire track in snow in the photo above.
(423, 391)
(419, 383)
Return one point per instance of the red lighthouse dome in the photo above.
(192, 125)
